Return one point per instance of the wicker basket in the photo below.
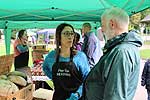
(6, 63)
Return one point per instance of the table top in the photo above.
(40, 78)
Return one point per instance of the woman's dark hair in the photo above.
(77, 37)
(21, 33)
(59, 30)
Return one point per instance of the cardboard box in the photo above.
(38, 55)
(41, 47)
(26, 93)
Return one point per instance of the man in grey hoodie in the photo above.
(115, 77)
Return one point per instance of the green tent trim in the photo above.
(18, 14)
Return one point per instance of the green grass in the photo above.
(145, 53)
(147, 42)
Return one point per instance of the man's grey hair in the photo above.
(118, 14)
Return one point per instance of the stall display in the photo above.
(14, 85)
(38, 76)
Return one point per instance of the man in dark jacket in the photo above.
(146, 77)
(115, 76)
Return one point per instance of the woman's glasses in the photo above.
(68, 33)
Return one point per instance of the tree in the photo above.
(136, 19)
(145, 13)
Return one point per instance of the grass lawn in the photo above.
(147, 42)
(145, 53)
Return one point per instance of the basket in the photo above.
(6, 63)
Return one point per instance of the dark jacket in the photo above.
(146, 74)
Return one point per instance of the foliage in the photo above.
(136, 18)
(145, 13)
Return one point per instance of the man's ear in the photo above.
(112, 24)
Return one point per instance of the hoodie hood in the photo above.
(134, 38)
(131, 37)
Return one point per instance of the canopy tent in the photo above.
(46, 31)
(146, 19)
(49, 13)
(62, 10)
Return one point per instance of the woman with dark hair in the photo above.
(77, 43)
(21, 50)
(66, 66)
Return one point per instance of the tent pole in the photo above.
(7, 34)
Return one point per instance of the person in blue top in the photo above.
(115, 76)
(91, 45)
(67, 67)
(146, 77)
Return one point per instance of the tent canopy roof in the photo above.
(43, 13)
(62, 10)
